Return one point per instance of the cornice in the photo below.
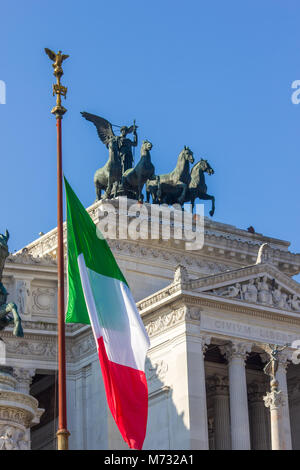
(223, 243)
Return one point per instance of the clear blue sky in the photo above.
(214, 75)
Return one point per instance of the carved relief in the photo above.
(172, 318)
(44, 300)
(12, 438)
(156, 371)
(23, 296)
(261, 290)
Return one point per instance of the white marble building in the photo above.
(209, 322)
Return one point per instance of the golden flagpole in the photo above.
(58, 110)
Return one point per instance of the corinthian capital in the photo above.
(23, 378)
(205, 342)
(236, 350)
(274, 399)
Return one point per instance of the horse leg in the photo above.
(207, 197)
(98, 191)
(107, 194)
(140, 188)
(184, 188)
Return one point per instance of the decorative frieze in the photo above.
(262, 290)
(172, 318)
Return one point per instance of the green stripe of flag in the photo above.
(82, 238)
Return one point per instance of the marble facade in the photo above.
(208, 321)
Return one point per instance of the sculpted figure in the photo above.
(279, 298)
(232, 291)
(120, 154)
(181, 274)
(294, 303)
(250, 291)
(264, 254)
(133, 180)
(175, 183)
(8, 311)
(7, 441)
(125, 146)
(272, 366)
(264, 294)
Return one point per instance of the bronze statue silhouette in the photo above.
(8, 311)
(108, 177)
(177, 181)
(133, 180)
(197, 187)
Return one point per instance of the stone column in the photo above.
(274, 400)
(258, 418)
(218, 385)
(282, 386)
(236, 354)
(186, 367)
(211, 434)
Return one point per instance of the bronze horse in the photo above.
(134, 178)
(196, 188)
(164, 187)
(108, 177)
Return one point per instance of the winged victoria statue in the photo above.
(118, 177)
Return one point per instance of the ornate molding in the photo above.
(25, 257)
(218, 384)
(236, 350)
(171, 318)
(24, 378)
(220, 239)
(14, 438)
(274, 399)
(44, 300)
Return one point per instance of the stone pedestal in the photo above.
(18, 411)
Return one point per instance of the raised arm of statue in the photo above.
(135, 139)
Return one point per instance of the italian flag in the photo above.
(98, 294)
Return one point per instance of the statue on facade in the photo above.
(271, 367)
(8, 311)
(250, 291)
(133, 179)
(118, 177)
(171, 188)
(196, 188)
(120, 154)
(294, 302)
(264, 293)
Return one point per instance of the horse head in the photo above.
(146, 146)
(187, 154)
(204, 166)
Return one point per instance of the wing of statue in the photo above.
(50, 54)
(64, 57)
(104, 127)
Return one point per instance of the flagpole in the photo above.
(58, 110)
